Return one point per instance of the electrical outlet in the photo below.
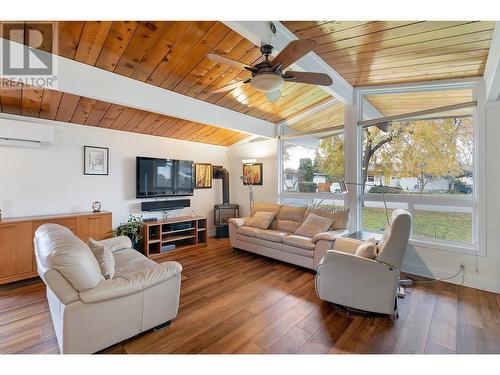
(462, 265)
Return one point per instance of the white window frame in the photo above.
(476, 201)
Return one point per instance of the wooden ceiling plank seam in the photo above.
(91, 41)
(31, 100)
(171, 127)
(51, 100)
(218, 71)
(141, 42)
(195, 31)
(411, 47)
(401, 51)
(111, 115)
(174, 127)
(12, 100)
(409, 61)
(167, 40)
(158, 123)
(398, 35)
(420, 78)
(83, 110)
(330, 27)
(146, 122)
(224, 47)
(138, 116)
(435, 32)
(67, 107)
(68, 37)
(199, 52)
(97, 113)
(161, 129)
(116, 41)
(123, 118)
(371, 28)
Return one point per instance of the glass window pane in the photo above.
(328, 203)
(433, 156)
(295, 201)
(374, 215)
(443, 223)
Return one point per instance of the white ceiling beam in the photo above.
(88, 81)
(492, 70)
(258, 32)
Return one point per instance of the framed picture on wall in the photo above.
(95, 160)
(252, 173)
(202, 176)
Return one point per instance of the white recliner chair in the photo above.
(90, 313)
(361, 283)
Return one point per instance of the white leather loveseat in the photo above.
(280, 242)
(90, 313)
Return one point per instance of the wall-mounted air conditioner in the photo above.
(25, 134)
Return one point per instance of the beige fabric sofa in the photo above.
(280, 242)
(90, 313)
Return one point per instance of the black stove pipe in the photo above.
(222, 173)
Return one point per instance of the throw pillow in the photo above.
(314, 224)
(104, 257)
(367, 249)
(261, 219)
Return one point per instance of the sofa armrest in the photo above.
(132, 283)
(329, 236)
(347, 245)
(238, 221)
(117, 243)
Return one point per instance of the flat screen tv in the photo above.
(163, 177)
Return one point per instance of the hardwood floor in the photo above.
(236, 302)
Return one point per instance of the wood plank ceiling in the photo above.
(385, 52)
(171, 55)
(33, 102)
(421, 100)
(329, 117)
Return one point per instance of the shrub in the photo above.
(307, 187)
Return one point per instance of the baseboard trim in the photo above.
(469, 280)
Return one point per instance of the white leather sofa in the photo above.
(90, 313)
(362, 283)
(280, 242)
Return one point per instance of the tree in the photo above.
(330, 157)
(305, 171)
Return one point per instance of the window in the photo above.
(423, 163)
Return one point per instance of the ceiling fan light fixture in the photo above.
(267, 82)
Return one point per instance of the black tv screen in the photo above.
(163, 177)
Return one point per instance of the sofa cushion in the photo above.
(367, 249)
(290, 218)
(58, 248)
(297, 251)
(340, 216)
(272, 235)
(299, 241)
(314, 224)
(268, 207)
(261, 219)
(248, 231)
(104, 257)
(117, 243)
(265, 244)
(130, 260)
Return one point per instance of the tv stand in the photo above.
(183, 232)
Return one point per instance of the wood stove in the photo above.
(225, 211)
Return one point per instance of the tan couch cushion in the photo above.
(314, 224)
(340, 216)
(261, 219)
(58, 248)
(104, 257)
(130, 260)
(268, 207)
(297, 251)
(290, 218)
(299, 241)
(272, 235)
(248, 231)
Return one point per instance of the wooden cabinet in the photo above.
(17, 255)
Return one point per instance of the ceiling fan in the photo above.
(268, 76)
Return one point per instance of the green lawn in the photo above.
(453, 226)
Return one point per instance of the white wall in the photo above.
(51, 180)
(438, 263)
(265, 152)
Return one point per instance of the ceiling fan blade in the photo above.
(228, 61)
(307, 77)
(292, 52)
(272, 96)
(230, 87)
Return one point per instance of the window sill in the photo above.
(470, 249)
